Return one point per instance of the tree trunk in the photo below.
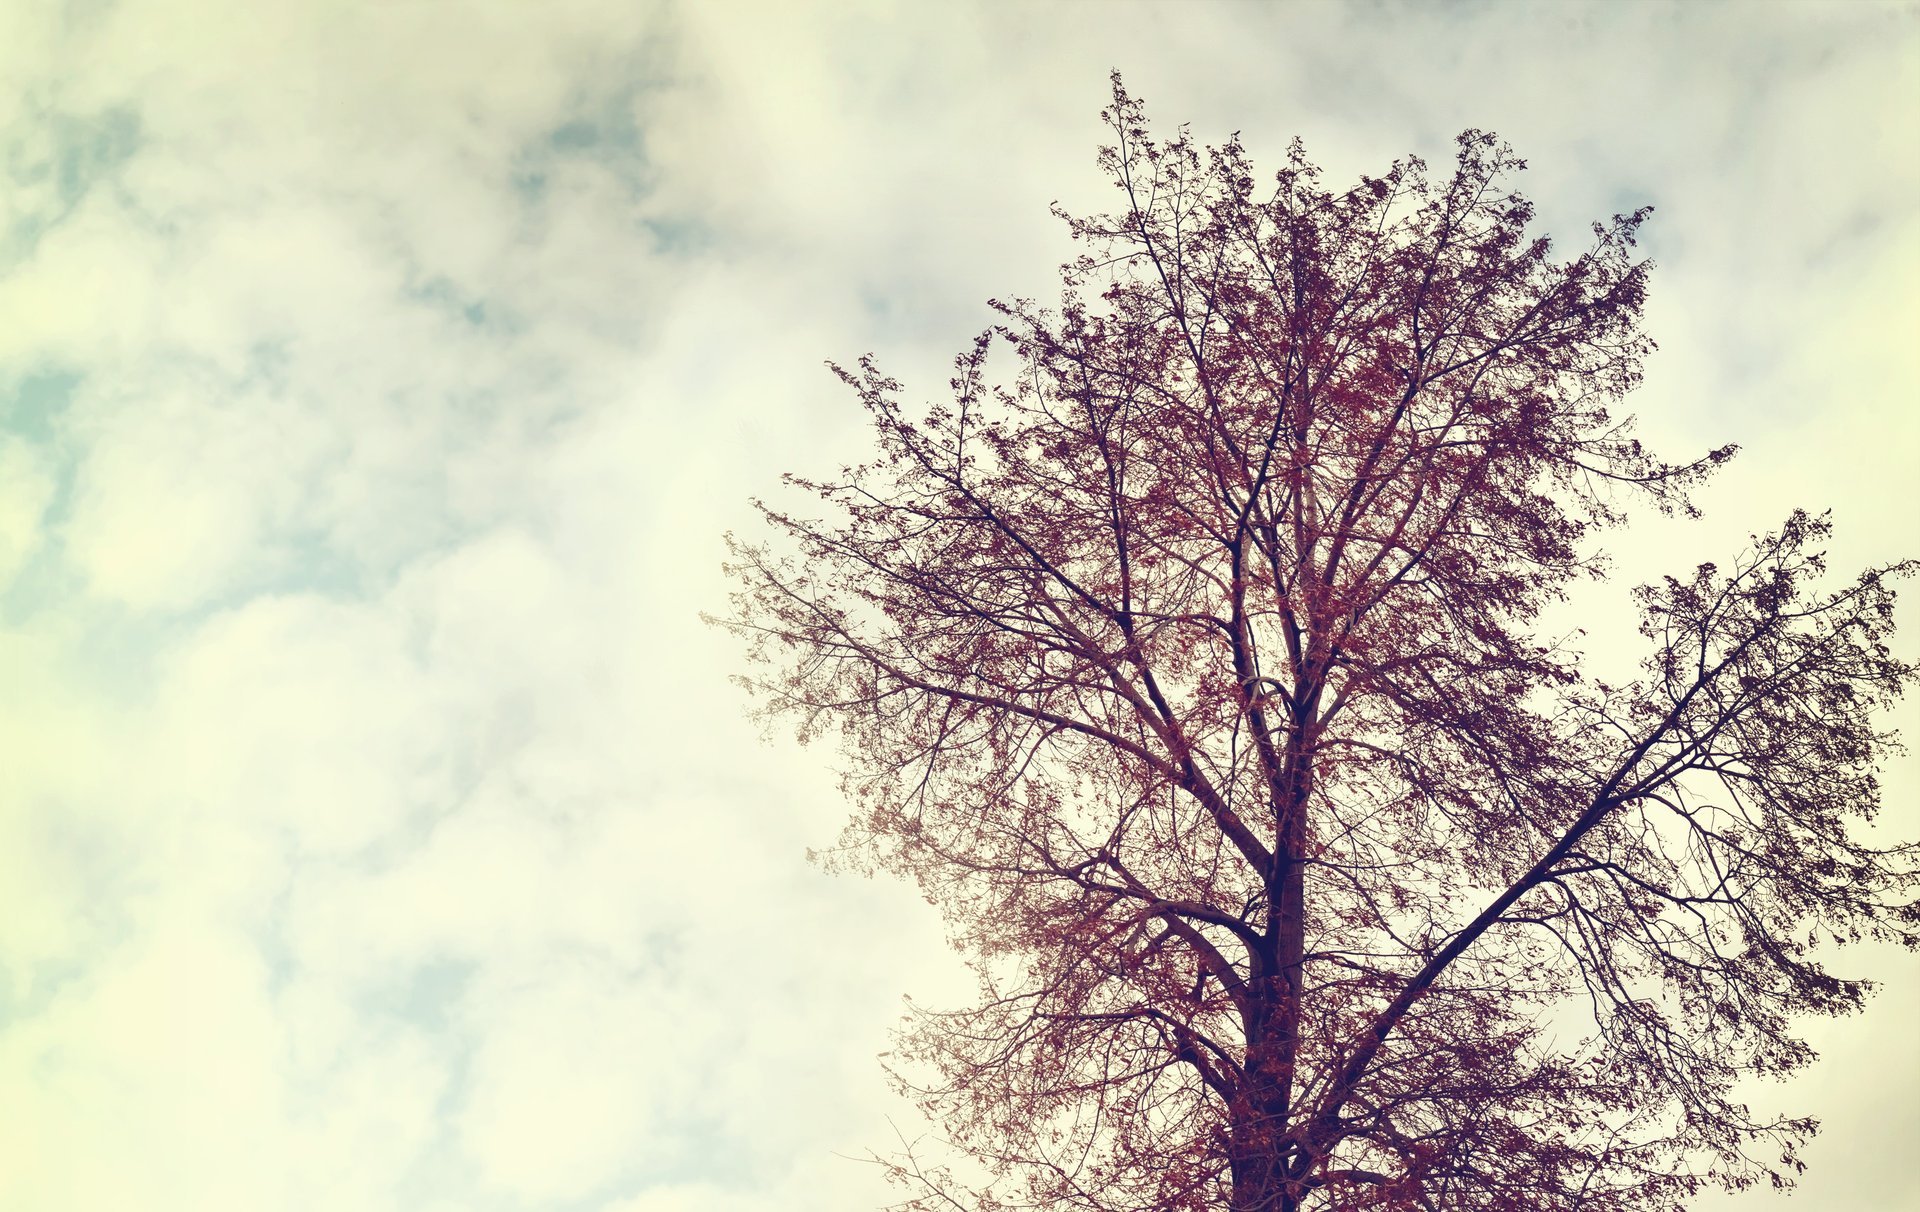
(1260, 1182)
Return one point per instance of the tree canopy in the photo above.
(1189, 656)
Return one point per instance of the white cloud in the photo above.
(26, 489)
(173, 1042)
(580, 1081)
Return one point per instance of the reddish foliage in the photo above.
(1190, 665)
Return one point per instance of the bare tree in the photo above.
(1191, 664)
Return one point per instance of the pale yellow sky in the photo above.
(378, 829)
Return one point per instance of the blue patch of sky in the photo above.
(269, 933)
(42, 580)
(26, 991)
(439, 1172)
(679, 236)
(878, 305)
(53, 162)
(1626, 198)
(32, 404)
(607, 135)
(295, 560)
(692, 1148)
(1850, 235)
(300, 557)
(96, 866)
(1658, 236)
(427, 996)
(444, 295)
(121, 657)
(917, 309)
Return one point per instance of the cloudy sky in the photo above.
(378, 827)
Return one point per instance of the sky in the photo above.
(379, 828)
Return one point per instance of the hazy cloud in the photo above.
(377, 827)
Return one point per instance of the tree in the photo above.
(1192, 665)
